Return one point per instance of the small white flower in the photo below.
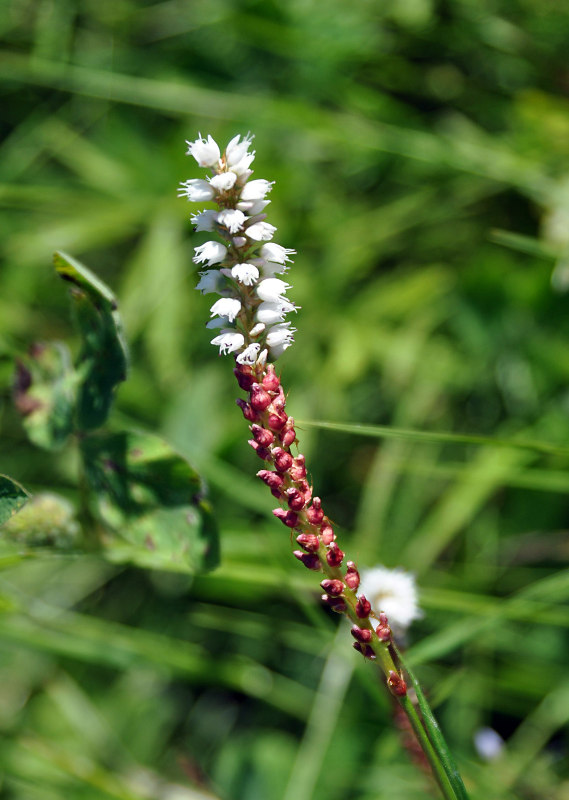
(272, 289)
(223, 182)
(246, 274)
(204, 220)
(229, 341)
(253, 207)
(280, 334)
(257, 329)
(262, 360)
(196, 190)
(226, 307)
(205, 152)
(210, 281)
(249, 355)
(237, 150)
(241, 168)
(276, 252)
(212, 252)
(393, 592)
(270, 313)
(256, 190)
(260, 231)
(231, 219)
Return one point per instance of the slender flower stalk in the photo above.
(251, 311)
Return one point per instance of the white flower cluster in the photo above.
(253, 305)
(393, 592)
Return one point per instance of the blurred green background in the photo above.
(421, 156)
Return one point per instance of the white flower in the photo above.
(249, 355)
(241, 168)
(196, 190)
(212, 252)
(229, 341)
(231, 219)
(275, 252)
(260, 231)
(210, 281)
(237, 150)
(280, 334)
(256, 190)
(204, 220)
(253, 207)
(226, 307)
(223, 181)
(247, 274)
(257, 329)
(394, 592)
(205, 152)
(269, 313)
(272, 289)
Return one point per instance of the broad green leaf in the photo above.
(12, 498)
(44, 394)
(103, 358)
(152, 499)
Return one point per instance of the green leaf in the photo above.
(152, 499)
(44, 394)
(103, 359)
(48, 520)
(12, 498)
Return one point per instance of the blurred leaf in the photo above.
(103, 358)
(44, 394)
(152, 497)
(47, 520)
(12, 498)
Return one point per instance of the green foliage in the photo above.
(12, 498)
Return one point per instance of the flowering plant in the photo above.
(251, 314)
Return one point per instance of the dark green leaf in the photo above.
(153, 499)
(12, 498)
(44, 394)
(103, 358)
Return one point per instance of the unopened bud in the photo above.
(327, 533)
(272, 479)
(260, 399)
(396, 684)
(365, 650)
(352, 576)
(262, 452)
(383, 630)
(262, 435)
(279, 402)
(295, 499)
(248, 412)
(271, 381)
(310, 560)
(333, 586)
(363, 635)
(363, 607)
(314, 513)
(277, 421)
(298, 469)
(283, 460)
(309, 542)
(337, 604)
(288, 437)
(334, 556)
(288, 518)
(244, 376)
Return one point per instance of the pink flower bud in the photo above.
(363, 607)
(271, 381)
(365, 650)
(306, 489)
(262, 435)
(244, 376)
(352, 576)
(279, 401)
(248, 412)
(288, 518)
(363, 635)
(327, 533)
(272, 479)
(277, 421)
(262, 452)
(295, 499)
(260, 399)
(310, 560)
(396, 684)
(298, 470)
(314, 513)
(334, 556)
(309, 542)
(288, 437)
(283, 460)
(332, 586)
(336, 603)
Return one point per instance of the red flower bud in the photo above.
(288, 437)
(262, 452)
(277, 421)
(262, 435)
(283, 460)
(244, 376)
(310, 560)
(396, 684)
(279, 401)
(363, 635)
(332, 586)
(327, 533)
(298, 470)
(288, 518)
(352, 576)
(363, 607)
(272, 479)
(260, 399)
(309, 542)
(365, 650)
(334, 556)
(314, 513)
(336, 603)
(248, 412)
(271, 381)
(295, 499)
